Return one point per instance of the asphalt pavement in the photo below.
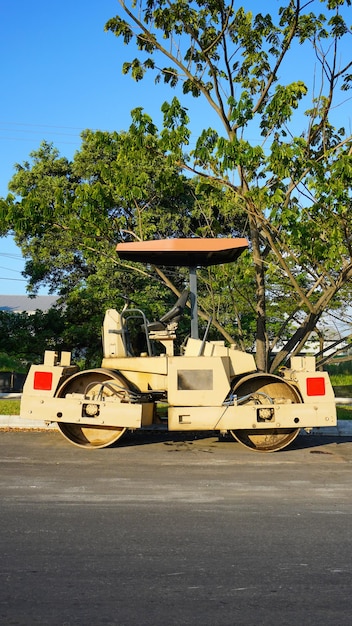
(174, 529)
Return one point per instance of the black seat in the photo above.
(171, 317)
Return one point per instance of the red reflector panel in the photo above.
(43, 381)
(315, 386)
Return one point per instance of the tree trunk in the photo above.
(261, 338)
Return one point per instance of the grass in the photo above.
(9, 407)
(341, 380)
(344, 412)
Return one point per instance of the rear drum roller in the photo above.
(257, 389)
(91, 436)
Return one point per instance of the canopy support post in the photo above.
(193, 299)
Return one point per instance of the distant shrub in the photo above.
(11, 364)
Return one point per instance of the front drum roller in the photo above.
(257, 389)
(91, 436)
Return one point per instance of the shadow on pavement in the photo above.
(147, 437)
(313, 441)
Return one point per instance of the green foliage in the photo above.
(23, 337)
(11, 364)
(68, 217)
(340, 373)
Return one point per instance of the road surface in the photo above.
(174, 530)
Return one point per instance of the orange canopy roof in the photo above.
(183, 252)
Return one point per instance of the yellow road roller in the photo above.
(209, 387)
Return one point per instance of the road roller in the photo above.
(209, 386)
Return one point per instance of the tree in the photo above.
(25, 337)
(294, 182)
(68, 216)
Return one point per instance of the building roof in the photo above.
(24, 304)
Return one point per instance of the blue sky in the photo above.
(60, 74)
